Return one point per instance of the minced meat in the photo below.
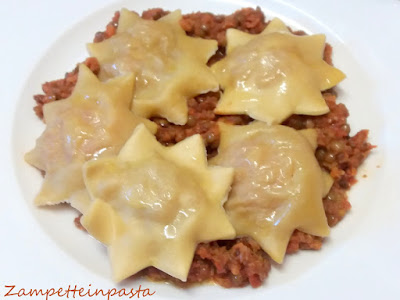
(241, 261)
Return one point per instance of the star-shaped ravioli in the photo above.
(152, 205)
(95, 120)
(170, 66)
(278, 185)
(275, 74)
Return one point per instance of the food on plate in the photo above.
(94, 121)
(153, 204)
(285, 174)
(274, 74)
(170, 67)
(278, 184)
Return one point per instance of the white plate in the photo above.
(42, 249)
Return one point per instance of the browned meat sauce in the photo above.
(241, 261)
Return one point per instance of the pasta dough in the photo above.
(170, 67)
(275, 74)
(278, 185)
(94, 121)
(152, 204)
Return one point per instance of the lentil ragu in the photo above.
(241, 261)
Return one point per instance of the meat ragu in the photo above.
(240, 262)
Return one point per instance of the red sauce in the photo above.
(241, 261)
